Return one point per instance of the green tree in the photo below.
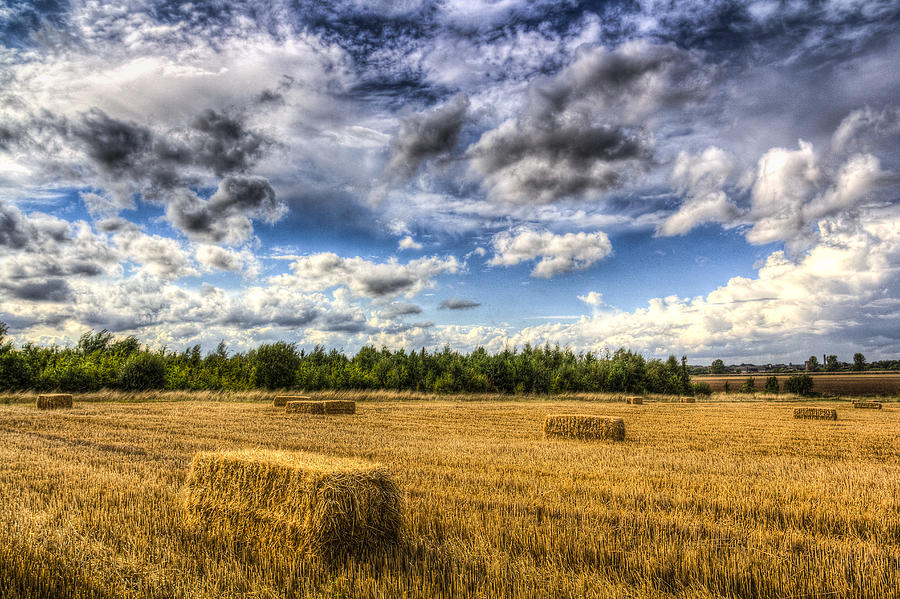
(717, 367)
(801, 384)
(142, 371)
(831, 363)
(772, 384)
(749, 386)
(276, 365)
(859, 362)
(812, 364)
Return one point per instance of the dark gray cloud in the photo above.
(46, 290)
(455, 303)
(395, 309)
(426, 135)
(225, 217)
(224, 144)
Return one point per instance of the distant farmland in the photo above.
(837, 384)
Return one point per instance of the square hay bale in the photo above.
(867, 405)
(305, 407)
(577, 426)
(340, 406)
(815, 413)
(53, 401)
(635, 400)
(281, 400)
(688, 399)
(321, 505)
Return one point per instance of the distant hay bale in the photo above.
(339, 406)
(688, 399)
(305, 407)
(576, 426)
(634, 400)
(311, 503)
(815, 413)
(867, 405)
(53, 401)
(281, 400)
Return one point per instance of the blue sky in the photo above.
(713, 179)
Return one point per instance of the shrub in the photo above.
(702, 389)
(772, 384)
(143, 371)
(801, 384)
(276, 365)
(749, 386)
(14, 372)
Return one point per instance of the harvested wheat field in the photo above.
(871, 384)
(714, 499)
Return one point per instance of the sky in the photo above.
(709, 179)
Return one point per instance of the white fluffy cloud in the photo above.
(558, 254)
(700, 178)
(365, 278)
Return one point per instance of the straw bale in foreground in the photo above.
(313, 503)
(815, 413)
(339, 406)
(305, 407)
(576, 426)
(281, 400)
(52, 401)
(634, 400)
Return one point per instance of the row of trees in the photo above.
(100, 361)
(800, 384)
(832, 364)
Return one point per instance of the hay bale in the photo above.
(339, 406)
(576, 426)
(867, 405)
(688, 399)
(281, 400)
(311, 503)
(634, 400)
(815, 413)
(305, 407)
(53, 401)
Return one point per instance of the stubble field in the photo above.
(858, 384)
(713, 499)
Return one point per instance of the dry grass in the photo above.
(579, 426)
(713, 500)
(867, 405)
(815, 413)
(53, 401)
(313, 503)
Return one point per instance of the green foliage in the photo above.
(749, 386)
(801, 384)
(772, 384)
(812, 364)
(275, 365)
(702, 388)
(142, 371)
(859, 362)
(717, 367)
(99, 360)
(832, 364)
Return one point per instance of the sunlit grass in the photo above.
(714, 499)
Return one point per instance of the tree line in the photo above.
(100, 361)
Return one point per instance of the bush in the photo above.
(702, 389)
(801, 384)
(276, 365)
(772, 384)
(143, 371)
(749, 386)
(14, 372)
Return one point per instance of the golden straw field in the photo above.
(711, 499)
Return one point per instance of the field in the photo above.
(832, 384)
(713, 499)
